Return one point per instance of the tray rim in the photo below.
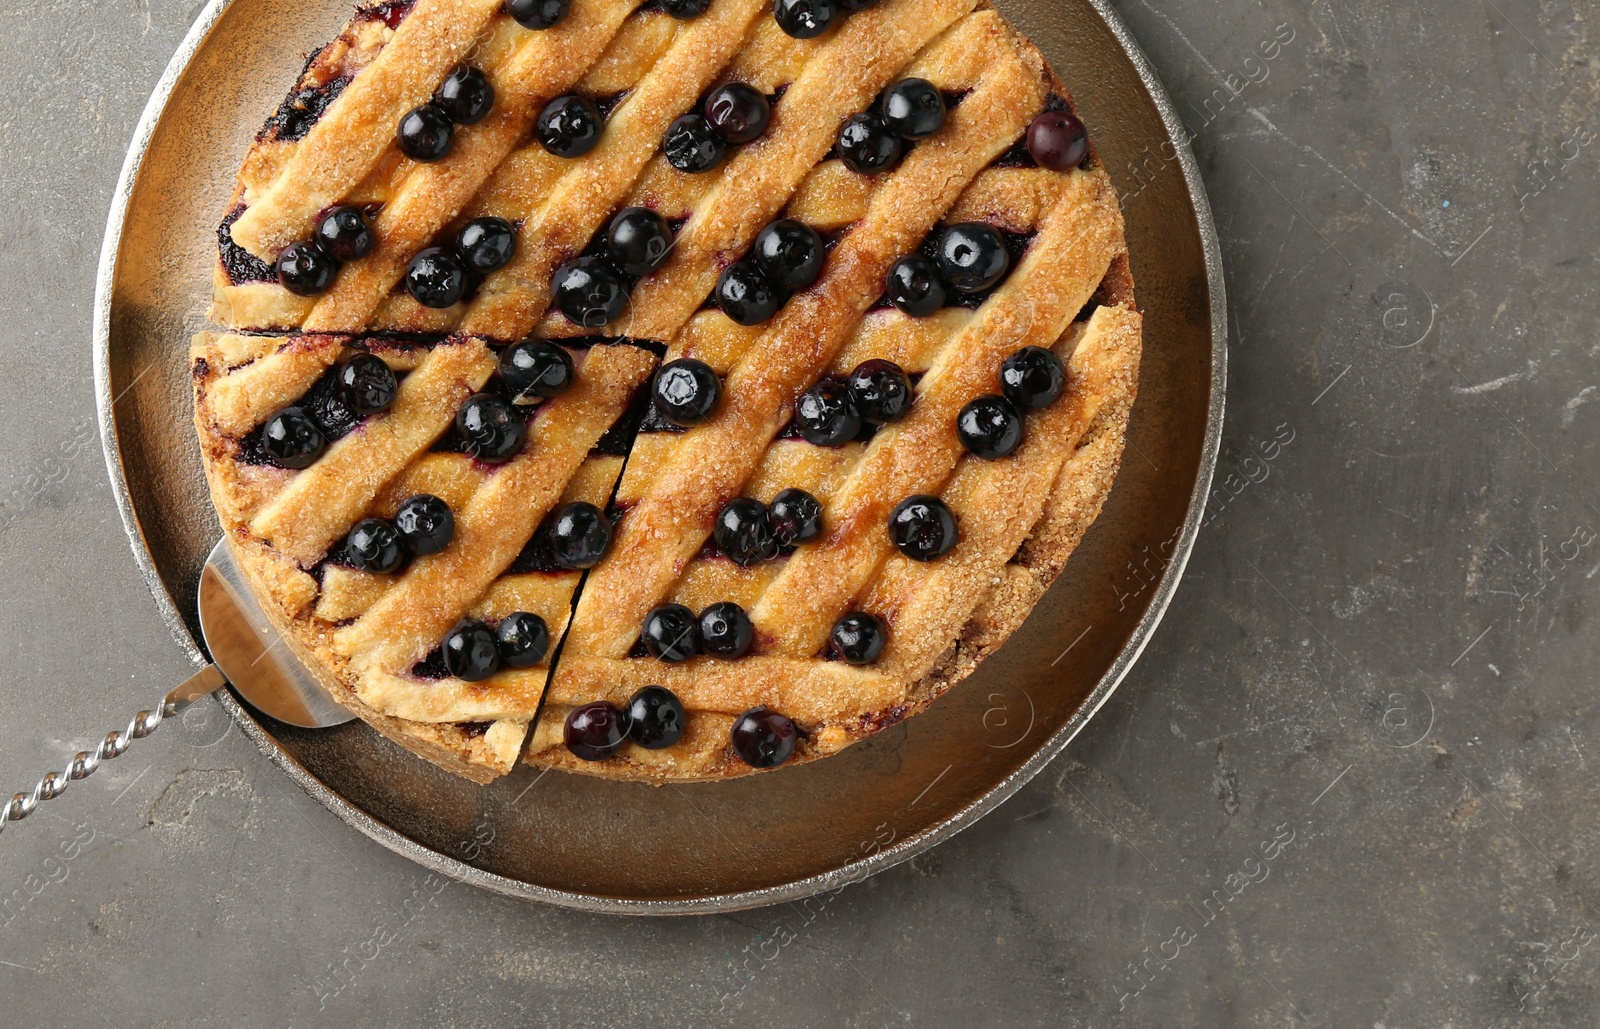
(834, 879)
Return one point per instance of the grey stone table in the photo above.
(1347, 785)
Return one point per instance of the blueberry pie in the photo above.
(662, 390)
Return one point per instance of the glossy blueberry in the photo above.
(305, 269)
(569, 126)
(737, 112)
(725, 630)
(595, 731)
(795, 516)
(744, 294)
(881, 391)
(686, 392)
(492, 429)
(742, 532)
(762, 738)
(990, 427)
(826, 415)
(1032, 378)
(972, 257)
(373, 545)
(804, 19)
(655, 718)
(465, 96)
(589, 292)
(691, 146)
(683, 10)
(426, 133)
(577, 534)
(912, 109)
(789, 253)
(470, 651)
(857, 638)
(436, 278)
(670, 633)
(487, 244)
(914, 286)
(867, 146)
(922, 527)
(345, 234)
(535, 368)
(522, 639)
(1057, 140)
(291, 439)
(367, 384)
(425, 524)
(537, 14)
(637, 240)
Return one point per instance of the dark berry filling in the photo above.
(240, 264)
(303, 108)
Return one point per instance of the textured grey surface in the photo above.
(1347, 784)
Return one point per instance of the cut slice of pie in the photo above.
(707, 384)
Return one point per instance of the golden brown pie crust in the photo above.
(1020, 517)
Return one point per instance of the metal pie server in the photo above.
(248, 654)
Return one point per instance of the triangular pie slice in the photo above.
(360, 386)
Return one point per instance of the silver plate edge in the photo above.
(835, 879)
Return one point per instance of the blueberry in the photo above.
(595, 731)
(1032, 378)
(922, 527)
(881, 391)
(589, 292)
(1057, 140)
(655, 718)
(691, 146)
(305, 269)
(742, 532)
(972, 257)
(345, 234)
(425, 133)
(670, 633)
(790, 254)
(637, 240)
(744, 294)
(537, 14)
(912, 109)
(795, 516)
(914, 286)
(470, 651)
(686, 391)
(522, 639)
(535, 368)
(465, 96)
(737, 112)
(857, 638)
(826, 415)
(990, 427)
(683, 10)
(725, 630)
(577, 534)
(867, 146)
(373, 545)
(367, 384)
(425, 524)
(292, 439)
(487, 244)
(436, 278)
(569, 126)
(803, 19)
(492, 429)
(762, 738)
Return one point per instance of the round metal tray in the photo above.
(624, 847)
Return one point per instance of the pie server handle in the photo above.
(85, 763)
